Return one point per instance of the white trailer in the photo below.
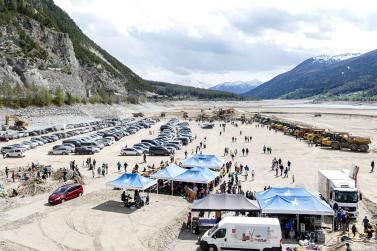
(338, 189)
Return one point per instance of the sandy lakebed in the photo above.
(98, 220)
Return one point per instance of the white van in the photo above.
(243, 233)
(17, 153)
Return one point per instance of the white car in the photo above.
(130, 152)
(30, 143)
(108, 141)
(17, 153)
(60, 151)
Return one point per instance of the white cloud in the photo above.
(213, 41)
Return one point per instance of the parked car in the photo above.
(130, 152)
(66, 192)
(159, 151)
(86, 150)
(6, 149)
(61, 150)
(16, 153)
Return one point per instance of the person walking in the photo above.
(107, 168)
(243, 151)
(289, 165)
(185, 154)
(144, 158)
(372, 168)
(125, 165)
(365, 223)
(6, 172)
(247, 151)
(93, 173)
(252, 174)
(13, 176)
(94, 163)
(293, 178)
(354, 230)
(119, 165)
(264, 149)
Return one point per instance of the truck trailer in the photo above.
(339, 190)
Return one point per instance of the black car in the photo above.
(84, 150)
(184, 140)
(77, 143)
(159, 151)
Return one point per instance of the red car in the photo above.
(64, 193)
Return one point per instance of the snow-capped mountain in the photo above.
(237, 87)
(324, 75)
(326, 59)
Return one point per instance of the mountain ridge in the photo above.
(311, 78)
(236, 87)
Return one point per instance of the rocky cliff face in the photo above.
(32, 53)
(51, 63)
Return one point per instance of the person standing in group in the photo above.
(6, 172)
(243, 151)
(286, 172)
(264, 149)
(247, 151)
(99, 171)
(348, 247)
(188, 224)
(107, 168)
(372, 168)
(94, 163)
(125, 165)
(13, 176)
(103, 170)
(93, 173)
(185, 154)
(119, 165)
(289, 165)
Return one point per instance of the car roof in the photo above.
(70, 185)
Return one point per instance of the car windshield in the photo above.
(212, 230)
(346, 197)
(60, 190)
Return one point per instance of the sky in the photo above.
(206, 42)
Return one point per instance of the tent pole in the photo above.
(298, 224)
(172, 187)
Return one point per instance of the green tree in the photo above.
(59, 97)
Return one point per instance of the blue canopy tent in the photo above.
(197, 175)
(292, 201)
(204, 161)
(296, 201)
(132, 181)
(169, 173)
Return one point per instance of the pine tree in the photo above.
(59, 97)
